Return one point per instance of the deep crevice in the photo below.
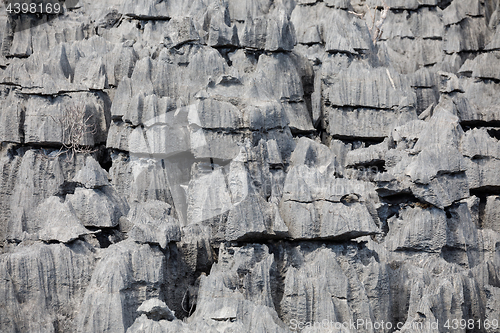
(475, 124)
(444, 3)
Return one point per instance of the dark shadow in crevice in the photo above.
(103, 157)
(106, 236)
(494, 133)
(444, 3)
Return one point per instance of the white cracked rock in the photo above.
(156, 309)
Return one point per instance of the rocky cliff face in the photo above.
(250, 166)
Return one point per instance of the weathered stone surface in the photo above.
(58, 221)
(338, 30)
(362, 86)
(493, 298)
(364, 123)
(153, 223)
(462, 228)
(491, 214)
(477, 143)
(479, 103)
(358, 142)
(45, 119)
(136, 271)
(458, 10)
(98, 207)
(313, 291)
(418, 229)
(211, 185)
(220, 31)
(470, 34)
(181, 30)
(145, 10)
(39, 177)
(145, 325)
(271, 33)
(156, 309)
(423, 52)
(223, 303)
(49, 278)
(11, 112)
(443, 190)
(91, 175)
(367, 156)
(482, 152)
(402, 4)
(483, 173)
(426, 288)
(286, 86)
(372, 98)
(495, 41)
(315, 204)
(483, 66)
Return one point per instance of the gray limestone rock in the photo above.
(11, 112)
(118, 135)
(156, 309)
(224, 303)
(362, 86)
(100, 208)
(145, 10)
(329, 289)
(493, 298)
(479, 102)
(91, 175)
(482, 152)
(369, 156)
(77, 120)
(265, 116)
(491, 214)
(90, 73)
(276, 76)
(366, 102)
(273, 32)
(251, 165)
(364, 123)
(444, 190)
(483, 173)
(470, 34)
(145, 325)
(337, 29)
(208, 196)
(495, 41)
(181, 30)
(341, 290)
(153, 223)
(424, 52)
(477, 143)
(42, 286)
(39, 176)
(58, 221)
(418, 229)
(128, 269)
(316, 205)
(483, 66)
(459, 10)
(220, 31)
(345, 33)
(461, 229)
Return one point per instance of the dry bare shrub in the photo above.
(76, 126)
(376, 26)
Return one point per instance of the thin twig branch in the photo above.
(75, 126)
